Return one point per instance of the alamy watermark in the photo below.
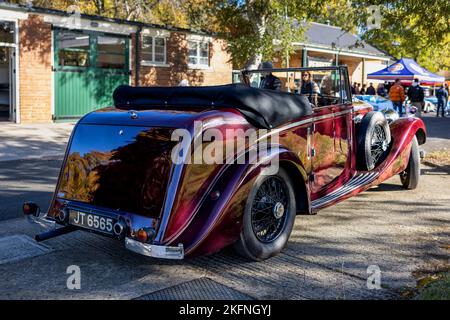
(226, 146)
(374, 19)
(374, 279)
(74, 280)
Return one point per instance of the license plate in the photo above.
(92, 222)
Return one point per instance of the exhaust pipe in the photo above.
(119, 228)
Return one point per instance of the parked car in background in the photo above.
(377, 102)
(431, 104)
(382, 104)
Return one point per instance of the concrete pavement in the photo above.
(33, 141)
(438, 132)
(327, 257)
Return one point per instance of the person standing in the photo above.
(416, 95)
(381, 90)
(357, 89)
(363, 90)
(448, 96)
(268, 80)
(371, 90)
(354, 88)
(397, 96)
(442, 97)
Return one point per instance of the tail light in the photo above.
(31, 209)
(144, 235)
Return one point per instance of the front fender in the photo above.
(218, 222)
(402, 132)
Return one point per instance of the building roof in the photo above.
(337, 39)
(49, 11)
(318, 35)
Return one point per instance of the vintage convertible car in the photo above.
(130, 171)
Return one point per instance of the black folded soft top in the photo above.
(263, 108)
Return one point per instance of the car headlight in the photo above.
(390, 115)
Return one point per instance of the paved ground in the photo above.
(327, 258)
(37, 141)
(438, 131)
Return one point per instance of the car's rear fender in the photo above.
(218, 222)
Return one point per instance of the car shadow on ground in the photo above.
(436, 170)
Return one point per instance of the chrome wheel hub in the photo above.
(270, 209)
(278, 210)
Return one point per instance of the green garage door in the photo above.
(88, 67)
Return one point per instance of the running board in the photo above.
(356, 182)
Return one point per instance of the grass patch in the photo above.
(434, 287)
(438, 158)
(433, 283)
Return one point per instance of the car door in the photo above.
(331, 133)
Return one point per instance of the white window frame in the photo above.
(153, 62)
(198, 42)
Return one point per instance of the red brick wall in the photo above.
(219, 71)
(35, 72)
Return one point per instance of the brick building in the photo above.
(326, 45)
(56, 66)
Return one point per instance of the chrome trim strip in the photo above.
(353, 184)
(343, 112)
(312, 119)
(322, 202)
(149, 250)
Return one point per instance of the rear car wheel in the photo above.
(269, 217)
(374, 138)
(410, 177)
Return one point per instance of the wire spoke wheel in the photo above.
(269, 209)
(379, 144)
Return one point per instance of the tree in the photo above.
(260, 29)
(415, 29)
(257, 29)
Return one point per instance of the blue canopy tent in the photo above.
(406, 70)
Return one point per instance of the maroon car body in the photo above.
(118, 166)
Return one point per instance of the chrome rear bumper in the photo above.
(42, 221)
(149, 250)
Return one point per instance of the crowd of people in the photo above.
(397, 94)
(392, 91)
(381, 89)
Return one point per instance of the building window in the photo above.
(198, 53)
(153, 50)
(111, 53)
(6, 32)
(73, 49)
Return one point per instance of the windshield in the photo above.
(327, 86)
